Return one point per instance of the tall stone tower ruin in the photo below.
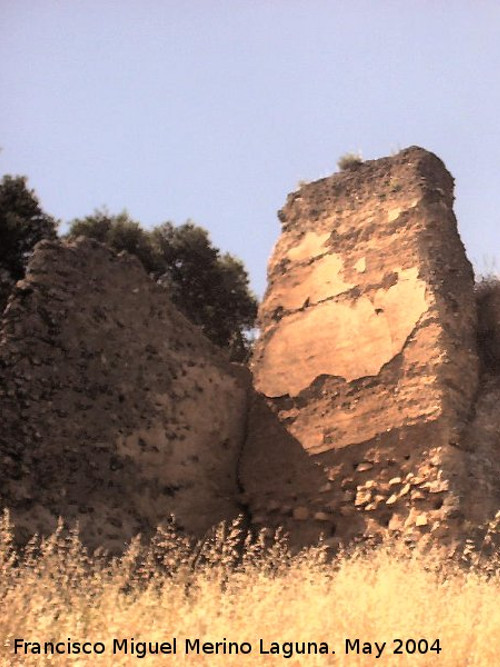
(367, 349)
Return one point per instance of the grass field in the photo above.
(259, 607)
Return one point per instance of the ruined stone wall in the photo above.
(366, 419)
(367, 347)
(116, 411)
(282, 486)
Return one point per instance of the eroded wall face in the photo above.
(116, 411)
(367, 348)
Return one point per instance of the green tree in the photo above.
(22, 224)
(119, 232)
(210, 288)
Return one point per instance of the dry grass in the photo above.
(54, 591)
(349, 161)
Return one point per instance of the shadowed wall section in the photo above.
(116, 411)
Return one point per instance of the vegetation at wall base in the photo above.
(213, 591)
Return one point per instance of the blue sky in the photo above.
(214, 109)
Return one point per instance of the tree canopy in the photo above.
(210, 288)
(119, 232)
(22, 224)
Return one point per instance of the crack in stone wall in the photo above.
(331, 337)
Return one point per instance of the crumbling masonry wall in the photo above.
(116, 411)
(366, 418)
(367, 349)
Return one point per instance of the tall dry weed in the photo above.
(245, 591)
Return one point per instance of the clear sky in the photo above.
(214, 109)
